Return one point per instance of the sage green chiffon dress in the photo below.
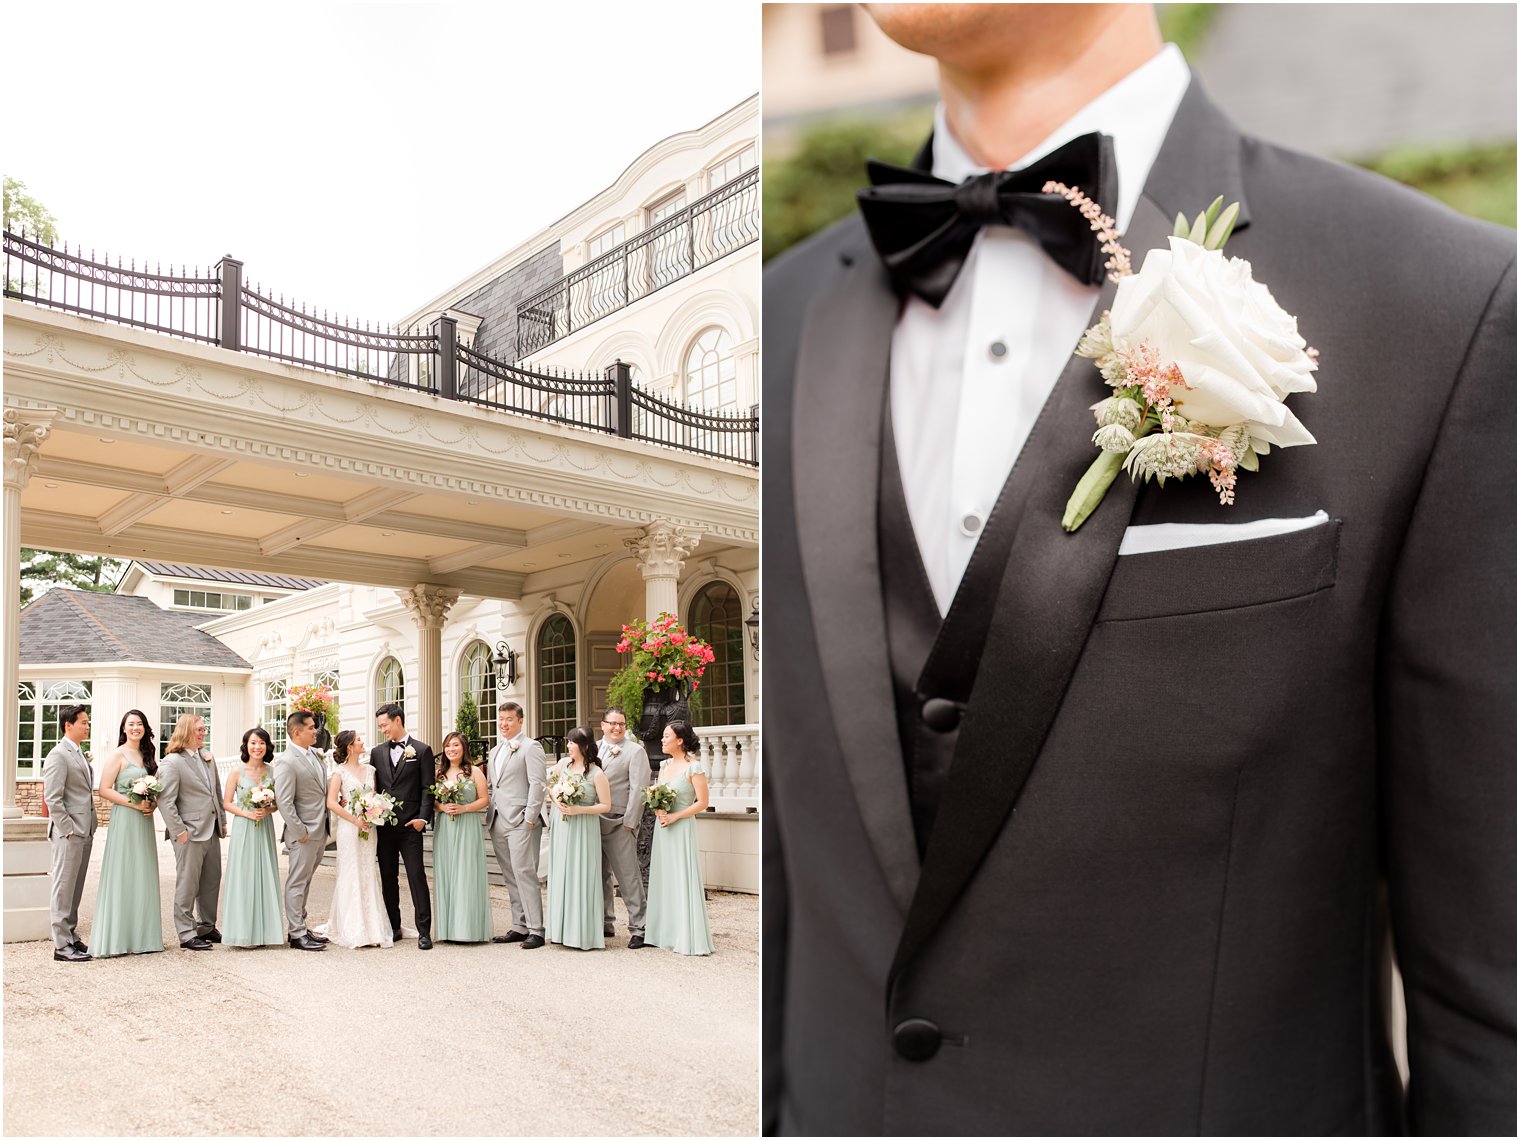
(251, 890)
(675, 915)
(128, 914)
(462, 908)
(574, 917)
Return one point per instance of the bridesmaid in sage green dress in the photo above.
(251, 892)
(128, 915)
(675, 914)
(574, 917)
(462, 910)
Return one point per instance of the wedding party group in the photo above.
(381, 800)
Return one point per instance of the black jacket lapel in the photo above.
(1055, 581)
(841, 385)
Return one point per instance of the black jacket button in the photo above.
(916, 1039)
(940, 715)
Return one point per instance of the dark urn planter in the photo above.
(324, 738)
(661, 706)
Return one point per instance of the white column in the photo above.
(662, 548)
(430, 607)
(25, 431)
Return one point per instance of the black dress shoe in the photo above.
(69, 954)
(636, 942)
(424, 942)
(196, 943)
(81, 947)
(322, 938)
(515, 936)
(215, 935)
(533, 942)
(306, 942)
(608, 932)
(395, 936)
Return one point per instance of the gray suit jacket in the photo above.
(188, 803)
(627, 777)
(300, 792)
(515, 782)
(67, 786)
(1192, 790)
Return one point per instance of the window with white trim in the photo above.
(37, 723)
(213, 600)
(556, 677)
(177, 699)
(731, 167)
(717, 617)
(477, 678)
(390, 684)
(273, 711)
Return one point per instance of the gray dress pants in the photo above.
(517, 855)
(70, 859)
(197, 883)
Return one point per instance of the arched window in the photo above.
(710, 380)
(390, 684)
(272, 712)
(477, 679)
(177, 699)
(717, 617)
(41, 703)
(556, 677)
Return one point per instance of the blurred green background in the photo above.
(1390, 105)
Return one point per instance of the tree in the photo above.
(41, 570)
(24, 214)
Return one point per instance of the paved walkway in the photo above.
(461, 1040)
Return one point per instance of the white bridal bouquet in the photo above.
(1200, 358)
(659, 797)
(568, 788)
(459, 790)
(374, 809)
(145, 788)
(259, 796)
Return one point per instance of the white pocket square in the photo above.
(1177, 536)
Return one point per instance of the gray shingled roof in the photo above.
(64, 626)
(241, 577)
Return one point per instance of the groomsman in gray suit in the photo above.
(515, 784)
(627, 767)
(300, 792)
(194, 822)
(66, 788)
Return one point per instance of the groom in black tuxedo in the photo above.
(404, 767)
(1110, 832)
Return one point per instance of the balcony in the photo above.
(708, 230)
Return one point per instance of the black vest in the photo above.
(934, 661)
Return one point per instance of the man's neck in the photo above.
(1001, 112)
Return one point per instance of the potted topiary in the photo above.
(322, 703)
(659, 681)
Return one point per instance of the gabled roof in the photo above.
(64, 625)
(240, 577)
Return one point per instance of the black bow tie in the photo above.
(923, 226)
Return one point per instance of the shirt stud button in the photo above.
(998, 351)
(971, 524)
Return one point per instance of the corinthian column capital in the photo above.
(25, 431)
(662, 547)
(429, 604)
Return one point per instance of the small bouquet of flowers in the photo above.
(459, 790)
(659, 797)
(568, 788)
(373, 808)
(256, 797)
(145, 788)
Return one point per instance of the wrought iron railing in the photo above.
(724, 221)
(193, 305)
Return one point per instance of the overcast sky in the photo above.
(360, 157)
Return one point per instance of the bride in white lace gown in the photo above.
(358, 915)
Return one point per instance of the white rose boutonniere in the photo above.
(89, 757)
(408, 753)
(1200, 357)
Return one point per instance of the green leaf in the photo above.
(1248, 461)
(1180, 229)
(1200, 228)
(1223, 228)
(1091, 488)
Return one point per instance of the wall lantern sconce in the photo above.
(752, 626)
(506, 664)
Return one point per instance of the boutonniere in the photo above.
(513, 746)
(89, 757)
(616, 749)
(1199, 355)
(408, 753)
(205, 755)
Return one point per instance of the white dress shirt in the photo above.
(969, 379)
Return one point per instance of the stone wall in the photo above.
(29, 800)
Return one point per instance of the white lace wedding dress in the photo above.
(358, 910)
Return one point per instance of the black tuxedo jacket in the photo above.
(1193, 791)
(408, 782)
